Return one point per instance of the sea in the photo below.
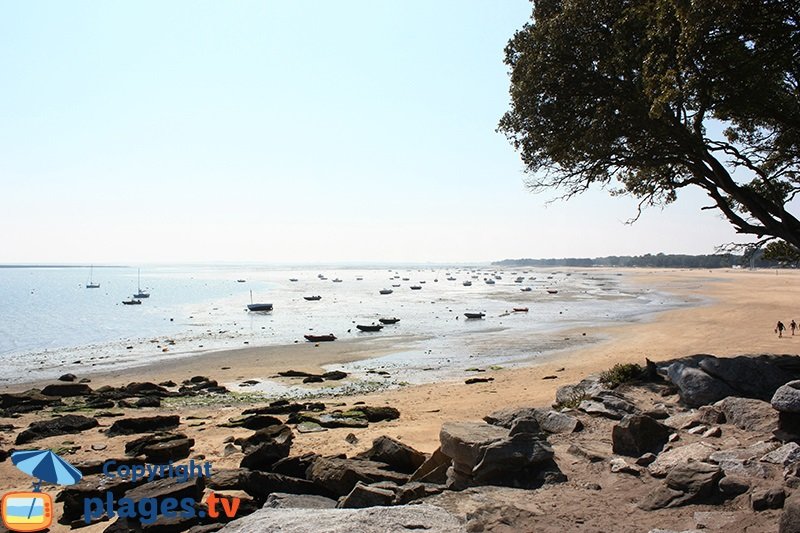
(50, 323)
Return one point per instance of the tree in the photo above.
(625, 94)
(782, 252)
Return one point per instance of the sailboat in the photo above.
(258, 307)
(140, 293)
(91, 284)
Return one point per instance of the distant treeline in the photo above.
(648, 260)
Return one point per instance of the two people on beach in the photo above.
(780, 328)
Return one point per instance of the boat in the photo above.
(336, 280)
(552, 291)
(490, 281)
(520, 309)
(415, 287)
(359, 278)
(406, 279)
(451, 278)
(371, 327)
(474, 315)
(320, 338)
(389, 320)
(386, 291)
(132, 302)
(258, 307)
(467, 283)
(395, 285)
(241, 280)
(312, 298)
(423, 281)
(91, 284)
(526, 289)
(293, 280)
(140, 293)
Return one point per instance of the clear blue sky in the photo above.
(154, 131)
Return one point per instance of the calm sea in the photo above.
(51, 323)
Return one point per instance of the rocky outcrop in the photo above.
(150, 424)
(399, 456)
(338, 476)
(636, 435)
(686, 483)
(549, 420)
(60, 425)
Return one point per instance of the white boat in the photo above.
(140, 293)
(91, 284)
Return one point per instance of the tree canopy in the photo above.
(647, 97)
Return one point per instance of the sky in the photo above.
(293, 131)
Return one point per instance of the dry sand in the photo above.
(735, 314)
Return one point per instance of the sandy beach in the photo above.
(734, 313)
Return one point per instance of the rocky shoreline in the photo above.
(694, 443)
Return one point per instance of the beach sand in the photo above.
(735, 312)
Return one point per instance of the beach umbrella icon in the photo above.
(46, 466)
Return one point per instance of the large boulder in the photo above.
(666, 461)
(549, 420)
(421, 517)
(608, 404)
(790, 519)
(636, 435)
(283, 500)
(67, 390)
(434, 469)
(24, 402)
(60, 425)
(751, 377)
(513, 461)
(695, 386)
(399, 456)
(687, 483)
(338, 476)
(377, 414)
(148, 424)
(137, 446)
(464, 442)
(366, 496)
(164, 452)
(787, 397)
(749, 414)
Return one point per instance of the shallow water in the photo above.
(49, 319)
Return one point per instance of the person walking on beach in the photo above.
(779, 329)
(793, 326)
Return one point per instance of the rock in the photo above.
(309, 427)
(749, 414)
(464, 442)
(3, 455)
(399, 456)
(148, 401)
(695, 386)
(784, 456)
(573, 394)
(366, 496)
(662, 497)
(228, 479)
(337, 420)
(790, 519)
(280, 434)
(169, 487)
(150, 424)
(607, 404)
(525, 425)
(772, 498)
(415, 491)
(751, 377)
(421, 517)
(67, 390)
(504, 461)
(666, 461)
(715, 520)
(434, 469)
(377, 414)
(592, 452)
(713, 432)
(787, 398)
(137, 446)
(696, 478)
(472, 381)
(283, 407)
(733, 485)
(334, 375)
(351, 439)
(145, 389)
(164, 452)
(261, 484)
(254, 422)
(646, 459)
(638, 434)
(497, 517)
(91, 486)
(549, 420)
(295, 466)
(619, 466)
(313, 379)
(282, 500)
(68, 377)
(506, 417)
(262, 452)
(60, 425)
(230, 449)
(339, 476)
(295, 374)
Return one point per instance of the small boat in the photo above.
(386, 291)
(552, 291)
(406, 279)
(467, 283)
(389, 320)
(490, 281)
(140, 293)
(451, 278)
(526, 289)
(395, 285)
(132, 302)
(312, 298)
(262, 308)
(359, 278)
(474, 315)
(91, 284)
(415, 287)
(336, 280)
(293, 280)
(520, 309)
(320, 338)
(423, 281)
(371, 327)
(241, 280)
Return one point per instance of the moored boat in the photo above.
(520, 309)
(132, 302)
(474, 315)
(320, 338)
(415, 287)
(262, 308)
(552, 291)
(312, 298)
(386, 291)
(370, 327)
(392, 320)
(467, 283)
